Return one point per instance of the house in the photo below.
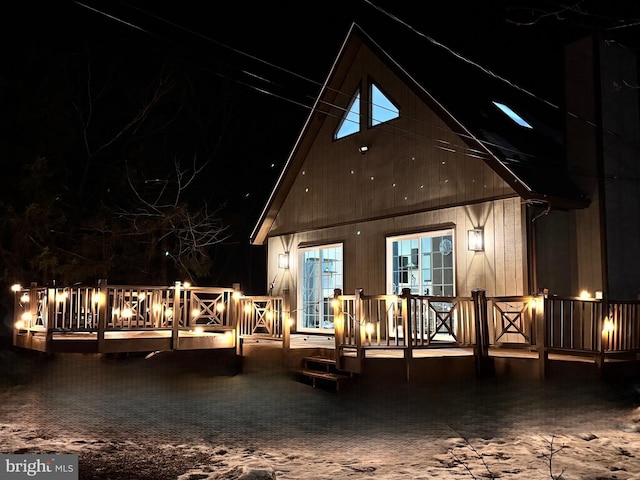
(416, 169)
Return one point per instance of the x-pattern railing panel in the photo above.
(443, 319)
(510, 318)
(209, 309)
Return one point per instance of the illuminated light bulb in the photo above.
(16, 287)
(369, 328)
(585, 294)
(199, 331)
(24, 298)
(19, 325)
(195, 313)
(127, 313)
(26, 317)
(247, 308)
(334, 303)
(220, 307)
(99, 298)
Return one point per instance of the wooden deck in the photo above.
(413, 333)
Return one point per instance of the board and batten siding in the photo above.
(417, 176)
(414, 163)
(500, 269)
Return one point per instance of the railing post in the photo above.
(52, 310)
(481, 348)
(540, 322)
(359, 331)
(103, 298)
(338, 324)
(407, 322)
(235, 304)
(177, 315)
(286, 322)
(604, 327)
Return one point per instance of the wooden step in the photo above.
(328, 363)
(336, 378)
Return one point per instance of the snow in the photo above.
(136, 419)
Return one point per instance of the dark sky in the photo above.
(286, 48)
(261, 64)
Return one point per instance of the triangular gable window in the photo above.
(382, 109)
(512, 115)
(351, 121)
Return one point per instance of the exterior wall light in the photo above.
(363, 149)
(283, 261)
(475, 240)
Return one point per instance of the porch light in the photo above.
(475, 241)
(283, 261)
(363, 149)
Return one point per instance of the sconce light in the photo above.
(363, 149)
(475, 241)
(283, 261)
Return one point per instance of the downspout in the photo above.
(532, 241)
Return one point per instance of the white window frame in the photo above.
(334, 279)
(420, 284)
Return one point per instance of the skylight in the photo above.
(512, 115)
(382, 109)
(351, 121)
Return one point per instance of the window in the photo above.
(320, 274)
(422, 262)
(512, 115)
(351, 121)
(382, 109)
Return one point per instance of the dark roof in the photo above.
(531, 160)
(466, 91)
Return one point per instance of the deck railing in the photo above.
(599, 328)
(50, 313)
(261, 315)
(574, 326)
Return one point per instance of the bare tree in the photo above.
(160, 214)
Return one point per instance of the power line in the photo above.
(267, 92)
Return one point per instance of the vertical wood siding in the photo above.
(417, 176)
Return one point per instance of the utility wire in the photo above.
(333, 105)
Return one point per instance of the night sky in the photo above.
(257, 67)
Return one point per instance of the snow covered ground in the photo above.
(137, 419)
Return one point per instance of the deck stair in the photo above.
(323, 372)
